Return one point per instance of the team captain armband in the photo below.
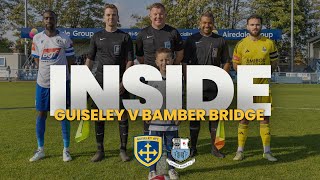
(273, 55)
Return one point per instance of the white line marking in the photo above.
(294, 108)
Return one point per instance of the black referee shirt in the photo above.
(110, 48)
(203, 50)
(150, 39)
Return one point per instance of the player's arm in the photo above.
(92, 53)
(273, 57)
(274, 65)
(227, 67)
(179, 57)
(236, 58)
(225, 58)
(129, 53)
(89, 63)
(36, 60)
(178, 47)
(71, 60)
(139, 49)
(140, 59)
(35, 53)
(69, 51)
(129, 59)
(187, 57)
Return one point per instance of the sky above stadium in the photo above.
(127, 8)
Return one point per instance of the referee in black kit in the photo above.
(206, 48)
(157, 35)
(111, 46)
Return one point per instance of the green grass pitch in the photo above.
(295, 126)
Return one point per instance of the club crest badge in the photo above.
(180, 152)
(59, 41)
(147, 149)
(264, 49)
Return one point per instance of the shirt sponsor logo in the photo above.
(50, 54)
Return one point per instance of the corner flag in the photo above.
(220, 136)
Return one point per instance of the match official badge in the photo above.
(167, 44)
(214, 52)
(147, 149)
(116, 49)
(180, 152)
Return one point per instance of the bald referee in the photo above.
(206, 48)
(111, 46)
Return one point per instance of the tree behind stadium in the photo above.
(71, 14)
(186, 13)
(276, 14)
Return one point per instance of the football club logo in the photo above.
(116, 49)
(264, 49)
(180, 152)
(59, 41)
(167, 44)
(147, 149)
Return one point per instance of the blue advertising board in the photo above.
(87, 33)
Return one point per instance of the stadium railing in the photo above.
(295, 78)
(18, 75)
(277, 77)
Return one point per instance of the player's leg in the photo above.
(266, 137)
(213, 125)
(65, 128)
(145, 124)
(124, 130)
(145, 128)
(99, 128)
(40, 130)
(153, 170)
(194, 133)
(42, 105)
(242, 137)
(169, 144)
(265, 128)
(195, 127)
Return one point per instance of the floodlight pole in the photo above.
(25, 25)
(292, 33)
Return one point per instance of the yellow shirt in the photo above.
(260, 52)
